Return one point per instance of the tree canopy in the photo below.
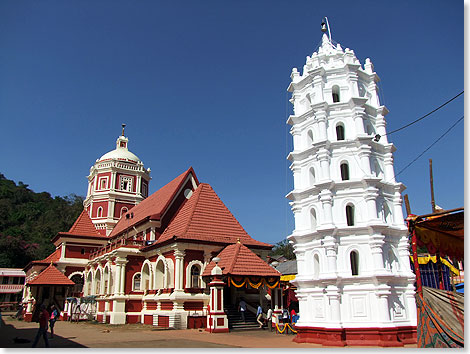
(29, 220)
(283, 248)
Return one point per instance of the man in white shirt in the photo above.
(242, 309)
(269, 317)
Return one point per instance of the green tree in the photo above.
(283, 248)
(29, 220)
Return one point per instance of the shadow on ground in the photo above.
(11, 337)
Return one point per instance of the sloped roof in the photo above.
(53, 257)
(237, 259)
(288, 267)
(204, 217)
(155, 205)
(51, 276)
(83, 226)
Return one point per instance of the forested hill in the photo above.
(29, 220)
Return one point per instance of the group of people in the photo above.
(267, 319)
(46, 319)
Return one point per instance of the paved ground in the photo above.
(97, 335)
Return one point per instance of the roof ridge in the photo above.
(235, 256)
(228, 210)
(194, 206)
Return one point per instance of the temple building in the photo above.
(173, 259)
(354, 282)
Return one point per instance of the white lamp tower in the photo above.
(355, 285)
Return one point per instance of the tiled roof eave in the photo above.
(176, 238)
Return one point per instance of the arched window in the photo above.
(78, 280)
(123, 211)
(309, 138)
(340, 132)
(344, 167)
(195, 272)
(146, 277)
(106, 280)
(354, 259)
(313, 219)
(350, 214)
(316, 266)
(98, 282)
(311, 176)
(136, 282)
(335, 93)
(89, 283)
(99, 212)
(159, 275)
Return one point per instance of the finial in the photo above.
(123, 126)
(325, 26)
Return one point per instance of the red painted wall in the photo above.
(119, 205)
(96, 205)
(148, 319)
(191, 255)
(151, 305)
(98, 186)
(73, 251)
(193, 305)
(166, 305)
(70, 270)
(133, 319)
(101, 305)
(134, 265)
(164, 321)
(133, 306)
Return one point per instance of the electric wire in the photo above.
(417, 120)
(430, 146)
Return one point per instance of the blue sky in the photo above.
(203, 84)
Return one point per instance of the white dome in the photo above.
(121, 152)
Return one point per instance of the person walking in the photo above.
(259, 316)
(269, 318)
(53, 319)
(42, 331)
(242, 309)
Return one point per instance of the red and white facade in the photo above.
(142, 258)
(354, 282)
(117, 182)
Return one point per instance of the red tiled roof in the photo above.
(53, 257)
(155, 205)
(237, 259)
(83, 226)
(205, 217)
(51, 276)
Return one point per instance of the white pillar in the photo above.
(327, 202)
(179, 269)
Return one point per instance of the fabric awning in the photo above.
(441, 233)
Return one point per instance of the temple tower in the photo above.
(117, 181)
(355, 285)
